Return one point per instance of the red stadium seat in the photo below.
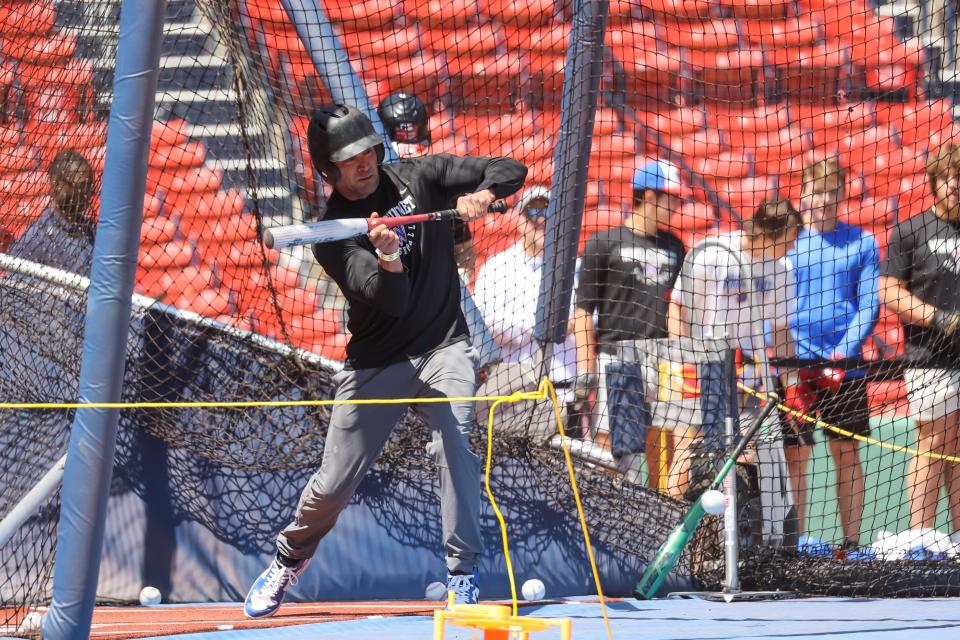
(495, 127)
(190, 205)
(156, 230)
(396, 43)
(726, 77)
(18, 158)
(543, 40)
(363, 14)
(679, 8)
(651, 79)
(472, 41)
(521, 13)
(23, 184)
(168, 133)
(789, 32)
(443, 13)
(186, 179)
(867, 212)
(693, 216)
(746, 194)
(205, 302)
(918, 123)
(457, 145)
(176, 253)
(727, 164)
(766, 146)
(669, 123)
(809, 73)
(190, 154)
(422, 75)
(699, 34)
(545, 78)
(764, 118)
(700, 143)
(756, 9)
(53, 49)
(22, 18)
(628, 39)
(487, 84)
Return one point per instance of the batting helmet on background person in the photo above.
(405, 119)
(337, 133)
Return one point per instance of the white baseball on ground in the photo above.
(533, 589)
(435, 591)
(150, 596)
(713, 502)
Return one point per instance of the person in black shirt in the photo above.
(626, 275)
(920, 282)
(409, 338)
(62, 237)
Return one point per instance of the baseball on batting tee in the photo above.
(713, 502)
(31, 623)
(435, 591)
(149, 596)
(533, 589)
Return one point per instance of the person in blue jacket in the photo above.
(837, 269)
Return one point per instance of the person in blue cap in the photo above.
(626, 276)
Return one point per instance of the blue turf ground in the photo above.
(814, 618)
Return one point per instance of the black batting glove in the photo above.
(948, 322)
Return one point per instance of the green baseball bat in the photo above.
(671, 549)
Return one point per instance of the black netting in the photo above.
(736, 106)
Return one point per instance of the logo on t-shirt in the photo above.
(406, 233)
(649, 264)
(733, 285)
(948, 249)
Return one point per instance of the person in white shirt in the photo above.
(713, 298)
(506, 293)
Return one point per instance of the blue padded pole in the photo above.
(331, 61)
(86, 481)
(581, 83)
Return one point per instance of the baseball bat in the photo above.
(671, 549)
(333, 230)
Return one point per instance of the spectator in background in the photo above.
(920, 282)
(714, 300)
(405, 119)
(507, 291)
(62, 236)
(836, 267)
(625, 280)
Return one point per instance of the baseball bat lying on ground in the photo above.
(333, 230)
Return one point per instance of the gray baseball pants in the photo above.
(358, 433)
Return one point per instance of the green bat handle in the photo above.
(670, 551)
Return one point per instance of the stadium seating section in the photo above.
(740, 94)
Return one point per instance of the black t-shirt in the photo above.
(626, 278)
(393, 316)
(924, 252)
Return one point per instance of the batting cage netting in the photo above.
(771, 184)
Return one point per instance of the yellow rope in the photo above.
(515, 397)
(823, 425)
(544, 392)
(547, 386)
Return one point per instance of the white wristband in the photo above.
(388, 257)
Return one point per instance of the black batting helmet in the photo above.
(405, 119)
(337, 133)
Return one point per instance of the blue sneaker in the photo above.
(266, 594)
(810, 546)
(464, 587)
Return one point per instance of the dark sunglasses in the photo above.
(536, 212)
